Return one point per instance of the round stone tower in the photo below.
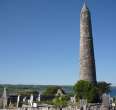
(87, 61)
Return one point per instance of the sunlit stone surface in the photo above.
(87, 61)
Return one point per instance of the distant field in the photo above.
(12, 89)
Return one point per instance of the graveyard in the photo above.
(86, 93)
(52, 98)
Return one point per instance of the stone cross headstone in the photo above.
(73, 99)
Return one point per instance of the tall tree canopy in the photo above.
(87, 90)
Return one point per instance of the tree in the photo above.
(60, 101)
(103, 87)
(51, 90)
(86, 90)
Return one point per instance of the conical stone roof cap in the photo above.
(84, 8)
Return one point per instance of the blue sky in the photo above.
(39, 40)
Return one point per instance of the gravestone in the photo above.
(39, 97)
(73, 99)
(18, 99)
(4, 99)
(83, 104)
(31, 100)
(105, 102)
